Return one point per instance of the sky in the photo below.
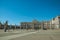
(16, 11)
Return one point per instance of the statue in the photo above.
(6, 26)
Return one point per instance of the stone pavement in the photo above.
(41, 35)
(31, 35)
(19, 34)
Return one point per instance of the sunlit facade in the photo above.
(52, 24)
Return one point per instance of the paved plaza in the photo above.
(30, 35)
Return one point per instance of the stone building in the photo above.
(0, 24)
(35, 25)
(52, 24)
(31, 25)
(55, 22)
(46, 24)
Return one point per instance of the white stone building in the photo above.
(55, 22)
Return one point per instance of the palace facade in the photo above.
(54, 23)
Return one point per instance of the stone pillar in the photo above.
(41, 25)
(6, 26)
(51, 25)
(23, 26)
(26, 26)
(20, 27)
(15, 26)
(0, 25)
(32, 26)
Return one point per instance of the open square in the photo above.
(31, 35)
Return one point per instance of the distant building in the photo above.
(46, 24)
(30, 25)
(55, 23)
(1, 26)
(52, 24)
(35, 25)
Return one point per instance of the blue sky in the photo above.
(16, 11)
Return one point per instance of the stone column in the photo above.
(0, 25)
(20, 27)
(51, 25)
(15, 26)
(32, 25)
(26, 26)
(6, 26)
(41, 25)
